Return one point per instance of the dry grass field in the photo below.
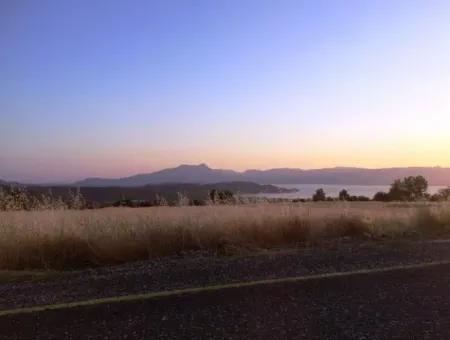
(68, 239)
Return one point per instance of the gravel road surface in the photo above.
(404, 303)
(179, 273)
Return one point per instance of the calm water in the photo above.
(307, 190)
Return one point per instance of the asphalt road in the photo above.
(409, 303)
(200, 271)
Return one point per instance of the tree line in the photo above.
(408, 189)
(16, 198)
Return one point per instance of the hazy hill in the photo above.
(349, 176)
(202, 174)
(3, 182)
(181, 174)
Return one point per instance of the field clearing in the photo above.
(69, 239)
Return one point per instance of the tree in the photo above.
(398, 192)
(444, 194)
(409, 189)
(441, 195)
(344, 195)
(319, 195)
(416, 187)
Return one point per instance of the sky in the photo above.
(114, 88)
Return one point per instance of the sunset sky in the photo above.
(114, 88)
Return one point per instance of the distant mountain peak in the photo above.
(202, 165)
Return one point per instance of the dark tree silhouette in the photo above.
(411, 188)
(319, 195)
(344, 195)
(221, 196)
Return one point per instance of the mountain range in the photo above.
(202, 174)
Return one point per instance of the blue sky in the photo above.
(113, 88)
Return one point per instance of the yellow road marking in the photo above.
(195, 290)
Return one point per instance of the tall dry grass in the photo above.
(67, 239)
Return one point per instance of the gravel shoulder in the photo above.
(197, 271)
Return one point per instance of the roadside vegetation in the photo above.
(53, 233)
(69, 239)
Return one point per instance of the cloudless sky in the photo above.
(114, 88)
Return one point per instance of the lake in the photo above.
(307, 190)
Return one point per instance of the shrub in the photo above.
(382, 197)
(221, 196)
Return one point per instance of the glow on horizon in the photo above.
(235, 85)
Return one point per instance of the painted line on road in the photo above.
(195, 290)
